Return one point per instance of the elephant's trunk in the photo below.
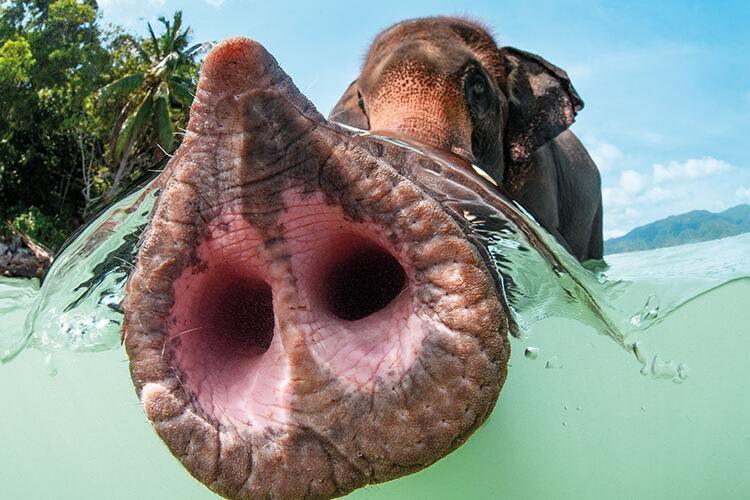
(303, 319)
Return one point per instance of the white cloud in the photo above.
(658, 194)
(605, 155)
(613, 197)
(215, 3)
(157, 3)
(579, 71)
(691, 169)
(646, 136)
(613, 233)
(106, 4)
(632, 182)
(637, 197)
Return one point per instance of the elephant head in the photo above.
(444, 82)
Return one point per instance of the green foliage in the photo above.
(69, 90)
(691, 227)
(42, 228)
(71, 13)
(16, 61)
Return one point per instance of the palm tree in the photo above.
(158, 95)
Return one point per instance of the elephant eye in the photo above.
(477, 92)
(361, 102)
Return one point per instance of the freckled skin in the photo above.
(267, 361)
(444, 82)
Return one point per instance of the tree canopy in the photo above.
(86, 110)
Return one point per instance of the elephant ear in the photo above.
(349, 109)
(542, 102)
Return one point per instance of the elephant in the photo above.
(444, 82)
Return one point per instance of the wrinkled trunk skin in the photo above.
(303, 319)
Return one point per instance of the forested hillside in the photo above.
(691, 227)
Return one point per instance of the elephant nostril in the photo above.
(243, 318)
(363, 281)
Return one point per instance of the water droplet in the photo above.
(643, 408)
(565, 407)
(531, 352)
(682, 374)
(578, 408)
(648, 313)
(49, 363)
(565, 424)
(640, 353)
(553, 363)
(663, 369)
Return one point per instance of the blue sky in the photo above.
(666, 84)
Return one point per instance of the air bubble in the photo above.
(531, 352)
(682, 374)
(553, 362)
(648, 313)
(663, 369)
(50, 365)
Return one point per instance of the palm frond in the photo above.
(130, 41)
(184, 94)
(135, 123)
(122, 85)
(154, 41)
(177, 18)
(163, 120)
(165, 38)
(199, 48)
(184, 80)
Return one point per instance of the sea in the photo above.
(627, 379)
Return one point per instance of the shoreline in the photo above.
(21, 257)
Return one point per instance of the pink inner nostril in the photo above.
(338, 290)
(361, 281)
(238, 316)
(222, 315)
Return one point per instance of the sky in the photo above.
(666, 85)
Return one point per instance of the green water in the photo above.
(591, 428)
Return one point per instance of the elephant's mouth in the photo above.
(303, 319)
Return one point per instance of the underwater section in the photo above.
(586, 426)
(17, 297)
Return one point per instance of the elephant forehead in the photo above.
(419, 78)
(431, 56)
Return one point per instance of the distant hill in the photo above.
(691, 227)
